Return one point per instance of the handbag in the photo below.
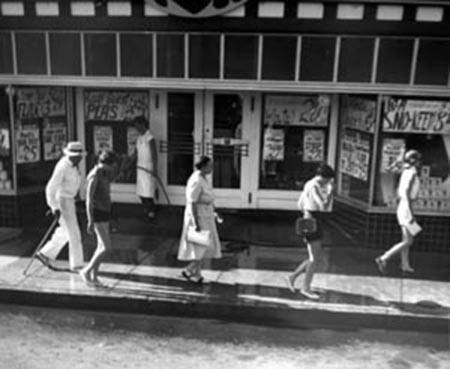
(305, 225)
(202, 238)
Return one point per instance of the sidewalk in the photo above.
(143, 276)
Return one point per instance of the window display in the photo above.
(41, 131)
(109, 125)
(6, 165)
(294, 139)
(425, 126)
(357, 127)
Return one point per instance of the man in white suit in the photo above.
(60, 193)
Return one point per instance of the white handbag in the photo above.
(202, 238)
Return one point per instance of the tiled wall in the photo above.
(22, 210)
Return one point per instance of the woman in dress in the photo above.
(98, 209)
(408, 191)
(199, 212)
(316, 198)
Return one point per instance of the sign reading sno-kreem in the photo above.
(416, 116)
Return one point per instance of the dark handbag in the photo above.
(305, 225)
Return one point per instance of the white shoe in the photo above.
(309, 294)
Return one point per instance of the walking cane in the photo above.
(42, 242)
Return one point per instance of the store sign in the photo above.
(115, 105)
(40, 102)
(416, 116)
(313, 145)
(359, 113)
(55, 138)
(273, 149)
(297, 110)
(103, 138)
(196, 8)
(28, 146)
(355, 156)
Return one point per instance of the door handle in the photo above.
(250, 197)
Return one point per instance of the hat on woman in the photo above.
(74, 148)
(412, 157)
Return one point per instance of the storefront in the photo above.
(268, 102)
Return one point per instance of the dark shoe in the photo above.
(46, 261)
(381, 265)
(187, 276)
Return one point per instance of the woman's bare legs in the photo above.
(314, 251)
(402, 247)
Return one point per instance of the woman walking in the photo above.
(199, 213)
(408, 191)
(98, 209)
(316, 198)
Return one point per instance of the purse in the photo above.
(305, 225)
(202, 238)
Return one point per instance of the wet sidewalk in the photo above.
(142, 275)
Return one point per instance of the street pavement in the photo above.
(142, 275)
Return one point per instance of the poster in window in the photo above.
(28, 146)
(313, 145)
(359, 113)
(355, 156)
(297, 110)
(391, 155)
(40, 102)
(4, 142)
(115, 105)
(273, 149)
(103, 138)
(55, 138)
(416, 116)
(132, 136)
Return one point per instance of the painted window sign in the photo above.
(197, 8)
(55, 138)
(355, 156)
(40, 102)
(103, 138)
(297, 110)
(359, 113)
(313, 145)
(115, 105)
(416, 116)
(392, 155)
(273, 149)
(28, 146)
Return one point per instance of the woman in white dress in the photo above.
(408, 191)
(199, 212)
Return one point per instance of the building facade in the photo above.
(267, 88)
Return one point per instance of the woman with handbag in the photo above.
(199, 238)
(316, 198)
(408, 190)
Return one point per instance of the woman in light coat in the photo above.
(199, 213)
(408, 191)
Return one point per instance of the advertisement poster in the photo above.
(103, 138)
(359, 113)
(297, 110)
(4, 142)
(132, 135)
(115, 105)
(273, 149)
(391, 155)
(355, 156)
(40, 102)
(313, 145)
(28, 146)
(416, 116)
(55, 138)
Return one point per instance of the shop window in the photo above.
(31, 57)
(109, 125)
(136, 55)
(421, 125)
(357, 126)
(241, 57)
(180, 126)
(41, 129)
(100, 54)
(355, 59)
(6, 160)
(227, 136)
(170, 55)
(433, 62)
(279, 57)
(204, 56)
(394, 60)
(65, 53)
(317, 58)
(6, 65)
(294, 139)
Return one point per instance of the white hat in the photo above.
(74, 148)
